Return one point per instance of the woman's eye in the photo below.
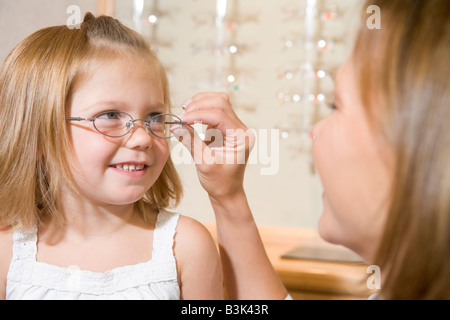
(332, 106)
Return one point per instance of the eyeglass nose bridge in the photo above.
(130, 125)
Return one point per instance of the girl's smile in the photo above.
(131, 169)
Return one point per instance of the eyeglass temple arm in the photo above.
(80, 119)
(176, 122)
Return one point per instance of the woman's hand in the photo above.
(222, 156)
(221, 159)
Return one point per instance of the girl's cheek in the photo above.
(163, 149)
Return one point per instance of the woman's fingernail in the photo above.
(186, 104)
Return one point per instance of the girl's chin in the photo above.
(127, 198)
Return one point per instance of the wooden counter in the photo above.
(310, 278)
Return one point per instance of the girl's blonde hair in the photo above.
(404, 75)
(36, 82)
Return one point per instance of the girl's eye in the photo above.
(109, 115)
(332, 106)
(153, 115)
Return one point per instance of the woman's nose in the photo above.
(316, 131)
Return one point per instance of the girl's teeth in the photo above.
(130, 167)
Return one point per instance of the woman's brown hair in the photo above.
(404, 75)
(36, 82)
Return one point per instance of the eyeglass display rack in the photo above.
(307, 82)
(225, 73)
(146, 17)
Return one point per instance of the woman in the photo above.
(383, 156)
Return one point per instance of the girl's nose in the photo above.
(139, 136)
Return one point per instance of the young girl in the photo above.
(86, 174)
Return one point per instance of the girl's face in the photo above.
(355, 165)
(121, 84)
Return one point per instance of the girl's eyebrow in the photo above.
(124, 106)
(115, 103)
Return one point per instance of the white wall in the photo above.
(20, 18)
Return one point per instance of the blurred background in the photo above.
(276, 60)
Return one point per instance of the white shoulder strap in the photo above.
(24, 254)
(164, 235)
(25, 244)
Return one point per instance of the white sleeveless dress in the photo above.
(29, 279)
